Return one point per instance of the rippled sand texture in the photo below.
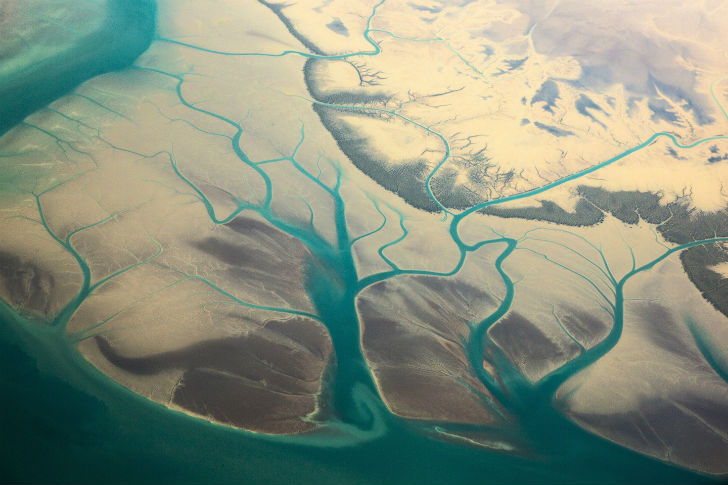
(475, 217)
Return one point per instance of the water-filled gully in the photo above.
(358, 415)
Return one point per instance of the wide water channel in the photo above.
(61, 420)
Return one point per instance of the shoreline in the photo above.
(125, 33)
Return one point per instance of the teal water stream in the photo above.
(61, 420)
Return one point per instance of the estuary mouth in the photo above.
(372, 241)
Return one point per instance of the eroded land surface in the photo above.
(481, 218)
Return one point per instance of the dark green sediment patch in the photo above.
(628, 206)
(678, 224)
(593, 202)
(359, 96)
(585, 214)
(404, 179)
(698, 264)
(420, 185)
(675, 221)
(125, 33)
(456, 196)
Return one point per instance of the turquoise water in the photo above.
(126, 32)
(63, 421)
